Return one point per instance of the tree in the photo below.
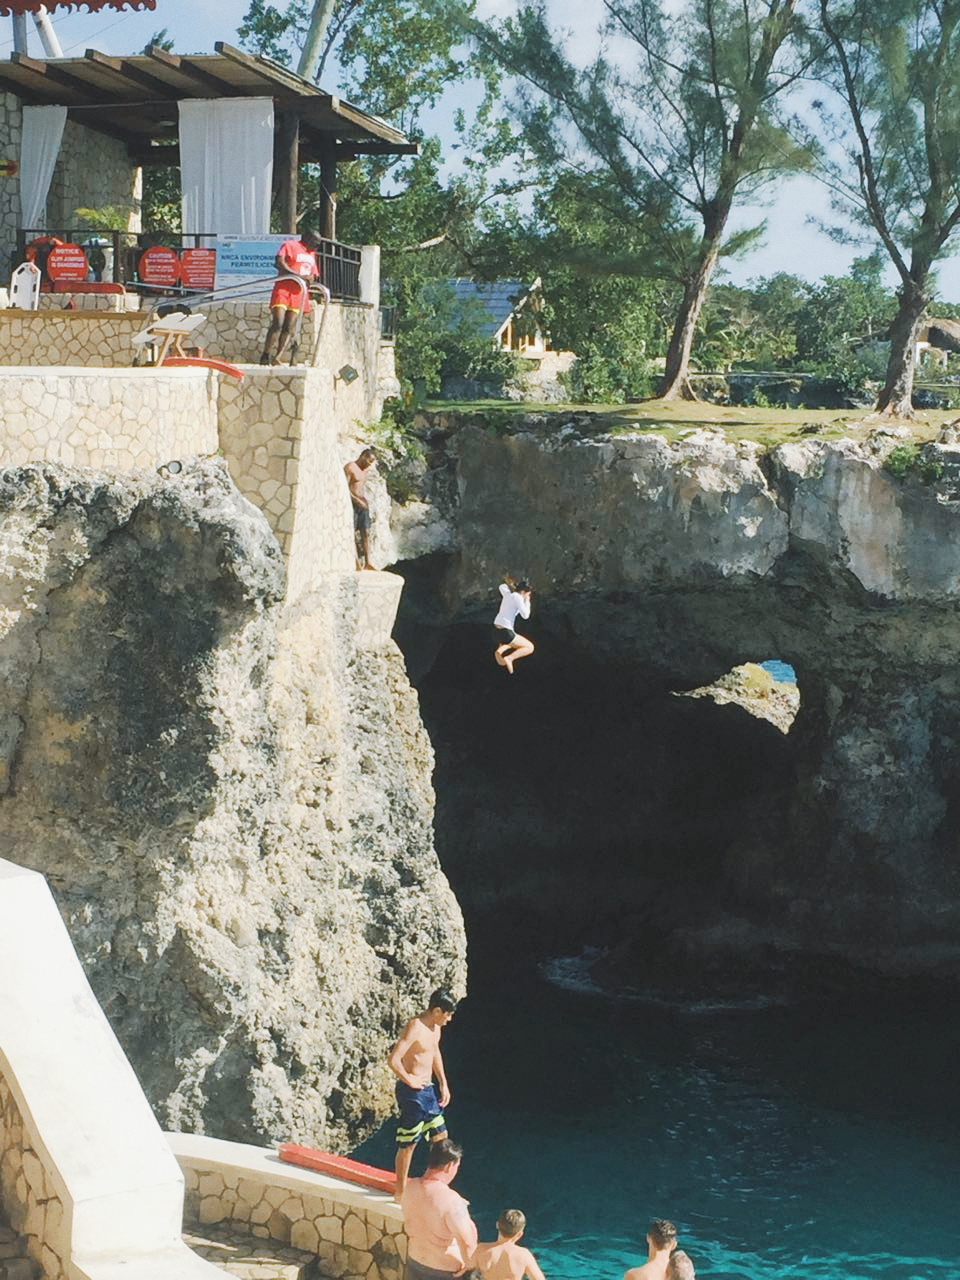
(695, 127)
(896, 66)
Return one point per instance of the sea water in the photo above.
(819, 1139)
(782, 672)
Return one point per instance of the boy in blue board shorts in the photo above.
(416, 1061)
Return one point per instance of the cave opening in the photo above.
(584, 809)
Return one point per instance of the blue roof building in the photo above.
(511, 308)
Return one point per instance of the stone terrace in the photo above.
(356, 1234)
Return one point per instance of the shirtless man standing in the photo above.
(415, 1061)
(357, 474)
(661, 1242)
(505, 1259)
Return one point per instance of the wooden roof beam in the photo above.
(53, 75)
(197, 75)
(274, 76)
(132, 75)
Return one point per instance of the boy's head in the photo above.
(444, 1154)
(442, 1005)
(662, 1234)
(511, 1224)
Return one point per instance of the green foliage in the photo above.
(111, 217)
(440, 336)
(896, 66)
(842, 309)
(694, 126)
(912, 462)
(161, 200)
(400, 455)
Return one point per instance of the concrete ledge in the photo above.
(357, 1234)
(87, 1176)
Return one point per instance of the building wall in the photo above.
(356, 1234)
(126, 418)
(87, 1176)
(35, 1211)
(9, 187)
(93, 171)
(278, 430)
(79, 339)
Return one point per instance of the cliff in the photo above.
(658, 566)
(230, 796)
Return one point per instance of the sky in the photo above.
(791, 242)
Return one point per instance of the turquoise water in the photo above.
(819, 1140)
(782, 672)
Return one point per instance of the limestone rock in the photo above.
(231, 802)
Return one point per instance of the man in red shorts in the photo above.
(295, 258)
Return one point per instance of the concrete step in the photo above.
(249, 1258)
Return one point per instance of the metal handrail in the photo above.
(226, 294)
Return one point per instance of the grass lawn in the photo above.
(672, 418)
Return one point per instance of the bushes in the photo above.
(912, 462)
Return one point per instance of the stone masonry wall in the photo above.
(10, 126)
(356, 1234)
(34, 1209)
(280, 438)
(92, 171)
(127, 418)
(84, 339)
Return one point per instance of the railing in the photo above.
(340, 269)
(114, 256)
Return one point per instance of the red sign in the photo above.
(198, 268)
(67, 262)
(160, 266)
(8, 168)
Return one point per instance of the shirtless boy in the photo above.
(505, 1259)
(661, 1242)
(416, 1061)
(358, 473)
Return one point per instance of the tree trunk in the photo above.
(896, 398)
(677, 382)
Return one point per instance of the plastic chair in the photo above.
(25, 287)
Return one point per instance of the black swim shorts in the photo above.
(420, 1114)
(504, 635)
(361, 518)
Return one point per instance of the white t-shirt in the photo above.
(511, 604)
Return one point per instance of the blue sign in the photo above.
(243, 259)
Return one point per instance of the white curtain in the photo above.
(226, 164)
(39, 147)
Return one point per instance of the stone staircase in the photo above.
(15, 1263)
(249, 1258)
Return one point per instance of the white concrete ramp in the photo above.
(87, 1175)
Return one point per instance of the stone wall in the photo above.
(280, 437)
(9, 187)
(87, 1178)
(356, 1234)
(126, 418)
(35, 1211)
(93, 171)
(79, 339)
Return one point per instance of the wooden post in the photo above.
(288, 160)
(328, 194)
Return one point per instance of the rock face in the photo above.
(231, 800)
(657, 567)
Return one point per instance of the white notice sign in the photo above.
(243, 259)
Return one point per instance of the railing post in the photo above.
(369, 285)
